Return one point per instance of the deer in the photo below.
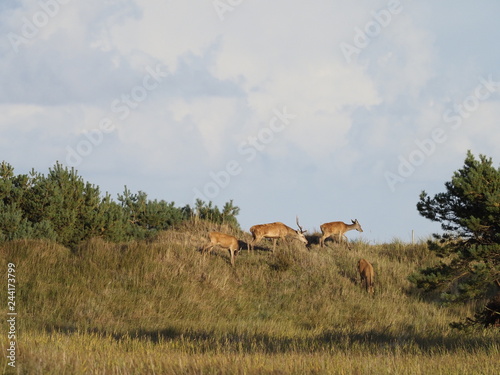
(223, 240)
(338, 228)
(367, 274)
(275, 231)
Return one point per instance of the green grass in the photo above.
(162, 307)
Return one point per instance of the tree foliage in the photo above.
(61, 206)
(228, 214)
(469, 213)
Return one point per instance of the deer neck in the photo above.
(351, 226)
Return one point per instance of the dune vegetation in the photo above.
(158, 306)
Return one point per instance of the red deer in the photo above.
(338, 228)
(275, 231)
(367, 274)
(225, 241)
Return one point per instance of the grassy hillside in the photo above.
(161, 307)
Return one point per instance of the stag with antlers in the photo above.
(275, 231)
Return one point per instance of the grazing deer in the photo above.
(275, 231)
(338, 228)
(367, 274)
(225, 241)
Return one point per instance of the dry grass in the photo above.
(161, 307)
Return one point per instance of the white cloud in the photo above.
(34, 135)
(166, 31)
(226, 78)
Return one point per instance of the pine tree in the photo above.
(63, 207)
(206, 211)
(469, 213)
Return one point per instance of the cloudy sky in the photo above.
(330, 110)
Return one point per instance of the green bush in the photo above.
(61, 206)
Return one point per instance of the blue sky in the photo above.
(329, 110)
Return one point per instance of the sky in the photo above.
(325, 110)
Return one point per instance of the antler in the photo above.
(300, 228)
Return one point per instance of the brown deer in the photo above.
(225, 241)
(275, 231)
(367, 274)
(338, 228)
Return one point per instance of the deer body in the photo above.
(275, 231)
(223, 240)
(367, 275)
(338, 228)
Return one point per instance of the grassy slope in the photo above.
(162, 307)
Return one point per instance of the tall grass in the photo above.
(162, 307)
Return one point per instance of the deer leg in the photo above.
(208, 248)
(254, 241)
(231, 254)
(346, 241)
(251, 244)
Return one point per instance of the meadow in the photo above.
(160, 307)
